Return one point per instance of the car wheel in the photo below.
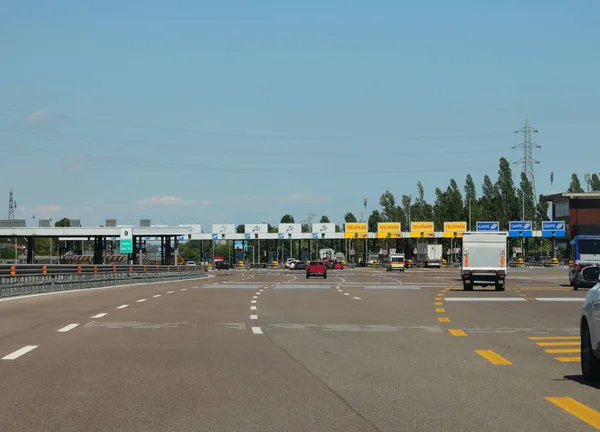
(590, 365)
(499, 286)
(467, 287)
(325, 276)
(307, 276)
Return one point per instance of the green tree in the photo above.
(350, 218)
(240, 229)
(63, 223)
(595, 183)
(7, 253)
(66, 245)
(421, 210)
(471, 205)
(509, 203)
(575, 186)
(526, 199)
(490, 200)
(390, 212)
(191, 250)
(541, 213)
(287, 218)
(324, 219)
(374, 219)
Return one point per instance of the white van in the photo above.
(396, 261)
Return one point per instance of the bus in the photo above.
(584, 252)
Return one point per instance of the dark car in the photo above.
(299, 265)
(316, 268)
(222, 265)
(586, 279)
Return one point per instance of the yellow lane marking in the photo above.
(579, 410)
(457, 332)
(443, 319)
(562, 351)
(438, 303)
(440, 310)
(552, 337)
(558, 343)
(529, 298)
(568, 359)
(438, 299)
(492, 357)
(546, 289)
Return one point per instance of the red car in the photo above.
(316, 268)
(337, 265)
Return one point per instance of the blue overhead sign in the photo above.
(488, 226)
(215, 236)
(315, 235)
(247, 236)
(553, 229)
(520, 229)
(281, 235)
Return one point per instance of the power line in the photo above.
(252, 135)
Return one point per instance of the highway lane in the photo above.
(270, 350)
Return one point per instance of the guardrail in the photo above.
(36, 279)
(42, 269)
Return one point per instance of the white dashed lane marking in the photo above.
(141, 300)
(253, 317)
(346, 294)
(18, 353)
(252, 307)
(257, 330)
(100, 315)
(170, 292)
(67, 328)
(122, 306)
(356, 298)
(183, 289)
(157, 295)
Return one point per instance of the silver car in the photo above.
(590, 328)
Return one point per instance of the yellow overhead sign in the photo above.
(455, 226)
(420, 227)
(355, 228)
(389, 230)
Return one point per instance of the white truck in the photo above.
(484, 259)
(429, 255)
(396, 261)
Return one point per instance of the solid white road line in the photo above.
(122, 306)
(253, 302)
(18, 353)
(100, 315)
(67, 328)
(157, 295)
(560, 299)
(252, 307)
(170, 292)
(491, 299)
(253, 317)
(141, 300)
(257, 330)
(356, 298)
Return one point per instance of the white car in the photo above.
(590, 328)
(289, 262)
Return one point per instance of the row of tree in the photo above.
(593, 183)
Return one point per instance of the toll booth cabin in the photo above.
(579, 211)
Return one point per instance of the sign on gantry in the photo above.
(126, 240)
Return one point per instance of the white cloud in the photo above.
(170, 201)
(47, 208)
(305, 197)
(38, 115)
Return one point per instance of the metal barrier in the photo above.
(40, 269)
(42, 280)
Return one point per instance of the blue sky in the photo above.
(241, 111)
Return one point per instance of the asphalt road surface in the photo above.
(363, 350)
